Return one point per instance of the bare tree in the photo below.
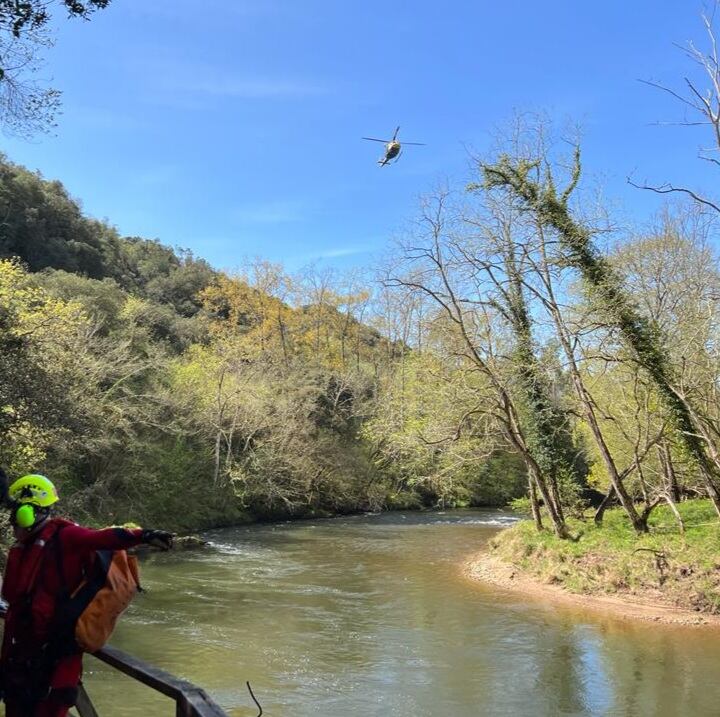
(701, 98)
(457, 278)
(26, 106)
(532, 181)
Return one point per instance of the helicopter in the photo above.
(393, 148)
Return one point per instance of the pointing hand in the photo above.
(158, 539)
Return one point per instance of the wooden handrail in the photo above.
(190, 700)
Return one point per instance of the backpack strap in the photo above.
(71, 605)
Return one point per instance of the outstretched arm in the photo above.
(79, 538)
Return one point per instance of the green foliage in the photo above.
(163, 276)
(102, 301)
(614, 559)
(40, 375)
(424, 440)
(262, 402)
(44, 226)
(158, 482)
(153, 388)
(520, 505)
(21, 17)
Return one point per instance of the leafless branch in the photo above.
(668, 188)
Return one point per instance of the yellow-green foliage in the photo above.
(41, 371)
(428, 434)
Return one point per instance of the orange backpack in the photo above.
(88, 614)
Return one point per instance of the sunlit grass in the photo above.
(682, 569)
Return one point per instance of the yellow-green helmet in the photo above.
(35, 489)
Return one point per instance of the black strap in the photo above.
(69, 607)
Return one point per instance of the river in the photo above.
(371, 615)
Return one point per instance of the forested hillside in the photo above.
(155, 388)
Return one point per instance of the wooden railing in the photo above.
(190, 700)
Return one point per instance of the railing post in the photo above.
(83, 705)
(183, 708)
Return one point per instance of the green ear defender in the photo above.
(32, 495)
(25, 516)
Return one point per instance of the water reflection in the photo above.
(370, 615)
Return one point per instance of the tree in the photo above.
(583, 339)
(33, 385)
(702, 97)
(531, 181)
(430, 436)
(25, 106)
(499, 256)
(45, 227)
(63, 389)
(480, 303)
(672, 270)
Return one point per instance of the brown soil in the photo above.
(491, 570)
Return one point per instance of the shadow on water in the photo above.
(370, 615)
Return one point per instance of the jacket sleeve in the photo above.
(75, 537)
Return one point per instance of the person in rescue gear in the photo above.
(39, 675)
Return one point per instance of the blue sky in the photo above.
(232, 127)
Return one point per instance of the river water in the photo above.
(371, 615)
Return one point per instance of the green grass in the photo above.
(682, 570)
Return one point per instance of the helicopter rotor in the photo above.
(394, 139)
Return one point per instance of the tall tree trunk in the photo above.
(671, 482)
(607, 500)
(544, 421)
(616, 480)
(283, 339)
(643, 484)
(671, 503)
(516, 438)
(216, 471)
(557, 520)
(555, 490)
(534, 505)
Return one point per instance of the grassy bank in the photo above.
(664, 566)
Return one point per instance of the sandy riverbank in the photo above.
(491, 570)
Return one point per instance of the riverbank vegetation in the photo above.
(590, 351)
(666, 566)
(479, 367)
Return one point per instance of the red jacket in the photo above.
(31, 583)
